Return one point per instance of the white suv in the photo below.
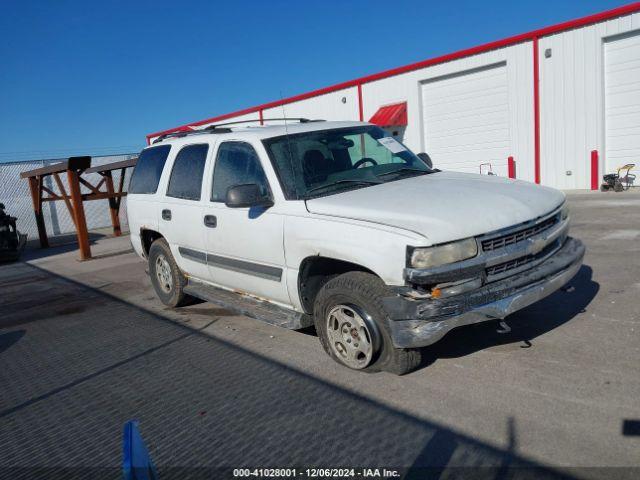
(339, 225)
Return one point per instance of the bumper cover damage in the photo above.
(418, 323)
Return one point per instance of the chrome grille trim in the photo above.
(511, 267)
(519, 235)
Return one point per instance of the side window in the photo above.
(186, 176)
(148, 170)
(237, 163)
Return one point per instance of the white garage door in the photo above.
(622, 102)
(466, 120)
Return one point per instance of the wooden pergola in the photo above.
(74, 168)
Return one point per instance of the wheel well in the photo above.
(148, 237)
(316, 271)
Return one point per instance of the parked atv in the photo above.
(12, 242)
(617, 181)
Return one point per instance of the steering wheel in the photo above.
(364, 160)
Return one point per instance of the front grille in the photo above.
(519, 262)
(518, 236)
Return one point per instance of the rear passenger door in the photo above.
(244, 245)
(143, 194)
(181, 210)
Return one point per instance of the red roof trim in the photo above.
(529, 36)
(391, 115)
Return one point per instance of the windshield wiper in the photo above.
(346, 180)
(403, 169)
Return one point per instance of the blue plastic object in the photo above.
(136, 462)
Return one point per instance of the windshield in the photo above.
(324, 162)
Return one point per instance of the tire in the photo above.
(618, 187)
(342, 307)
(167, 279)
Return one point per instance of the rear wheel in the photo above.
(352, 325)
(167, 279)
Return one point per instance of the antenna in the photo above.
(286, 132)
(284, 115)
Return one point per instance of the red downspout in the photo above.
(261, 118)
(594, 170)
(536, 110)
(511, 167)
(360, 106)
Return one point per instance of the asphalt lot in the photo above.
(85, 346)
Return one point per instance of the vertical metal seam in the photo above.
(536, 110)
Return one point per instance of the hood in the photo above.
(443, 206)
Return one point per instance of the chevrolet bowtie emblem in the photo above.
(537, 245)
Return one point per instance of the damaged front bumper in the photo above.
(421, 322)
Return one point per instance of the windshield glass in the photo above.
(324, 162)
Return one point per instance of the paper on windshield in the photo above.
(391, 144)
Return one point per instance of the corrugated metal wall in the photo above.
(14, 193)
(339, 105)
(571, 88)
(572, 101)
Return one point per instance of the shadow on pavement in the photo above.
(631, 428)
(74, 379)
(64, 243)
(9, 338)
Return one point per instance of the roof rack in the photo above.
(216, 127)
(299, 119)
(184, 133)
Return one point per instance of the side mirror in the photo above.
(247, 195)
(426, 159)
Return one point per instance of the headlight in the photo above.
(442, 254)
(564, 213)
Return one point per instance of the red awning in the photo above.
(391, 115)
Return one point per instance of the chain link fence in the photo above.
(15, 194)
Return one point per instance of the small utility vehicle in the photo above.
(12, 242)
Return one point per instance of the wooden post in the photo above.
(114, 208)
(78, 212)
(35, 185)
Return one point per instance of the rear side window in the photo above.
(147, 173)
(186, 176)
(237, 163)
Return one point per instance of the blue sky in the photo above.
(94, 77)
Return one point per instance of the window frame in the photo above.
(164, 167)
(215, 164)
(204, 169)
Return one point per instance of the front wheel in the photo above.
(351, 323)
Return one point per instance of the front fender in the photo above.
(379, 249)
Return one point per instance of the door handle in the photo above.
(166, 214)
(210, 221)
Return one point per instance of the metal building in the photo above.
(563, 102)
